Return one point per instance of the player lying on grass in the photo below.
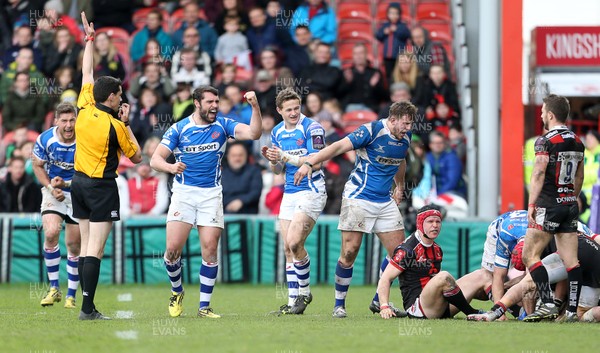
(589, 258)
(426, 292)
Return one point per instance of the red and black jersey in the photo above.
(564, 151)
(418, 263)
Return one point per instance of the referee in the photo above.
(103, 136)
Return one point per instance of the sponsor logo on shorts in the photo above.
(213, 220)
(552, 225)
(114, 214)
(176, 213)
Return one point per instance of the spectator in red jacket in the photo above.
(148, 193)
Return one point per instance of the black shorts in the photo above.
(94, 198)
(556, 219)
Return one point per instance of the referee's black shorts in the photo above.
(95, 199)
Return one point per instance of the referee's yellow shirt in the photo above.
(101, 138)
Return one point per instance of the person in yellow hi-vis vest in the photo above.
(591, 164)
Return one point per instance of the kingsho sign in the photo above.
(567, 46)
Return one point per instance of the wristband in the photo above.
(49, 188)
(126, 123)
(383, 307)
(531, 205)
(88, 38)
(68, 184)
(309, 164)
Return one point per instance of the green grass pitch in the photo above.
(145, 326)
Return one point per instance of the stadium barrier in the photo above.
(250, 251)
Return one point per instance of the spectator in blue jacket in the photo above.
(152, 29)
(208, 35)
(261, 33)
(242, 181)
(446, 167)
(393, 34)
(320, 18)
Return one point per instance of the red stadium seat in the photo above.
(353, 120)
(355, 30)
(176, 19)
(354, 11)
(433, 11)
(440, 31)
(139, 18)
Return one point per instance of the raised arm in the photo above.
(87, 66)
(254, 130)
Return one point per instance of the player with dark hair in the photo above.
(198, 143)
(296, 137)
(103, 132)
(427, 292)
(53, 161)
(556, 182)
(367, 204)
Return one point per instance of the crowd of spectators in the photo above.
(236, 46)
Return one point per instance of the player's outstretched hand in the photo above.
(387, 313)
(303, 171)
(178, 168)
(251, 98)
(58, 194)
(57, 182)
(88, 28)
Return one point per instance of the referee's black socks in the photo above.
(91, 273)
(80, 272)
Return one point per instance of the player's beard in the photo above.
(205, 116)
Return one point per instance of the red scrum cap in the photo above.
(425, 212)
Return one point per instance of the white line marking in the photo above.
(127, 335)
(124, 314)
(125, 297)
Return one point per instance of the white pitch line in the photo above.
(121, 314)
(127, 335)
(125, 297)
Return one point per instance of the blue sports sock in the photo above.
(208, 276)
(52, 260)
(343, 276)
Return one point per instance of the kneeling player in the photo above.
(426, 292)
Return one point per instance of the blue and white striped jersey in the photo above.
(378, 156)
(306, 138)
(201, 148)
(59, 157)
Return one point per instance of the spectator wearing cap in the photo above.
(152, 29)
(393, 35)
(192, 40)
